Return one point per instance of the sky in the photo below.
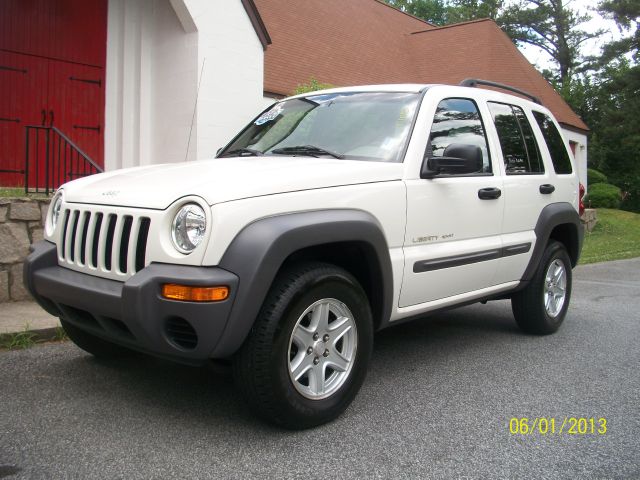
(542, 60)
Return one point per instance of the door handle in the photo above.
(51, 118)
(489, 193)
(547, 188)
(43, 117)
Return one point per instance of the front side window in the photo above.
(557, 150)
(519, 147)
(457, 123)
(372, 126)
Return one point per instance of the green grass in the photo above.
(12, 192)
(615, 237)
(19, 340)
(60, 335)
(27, 339)
(19, 193)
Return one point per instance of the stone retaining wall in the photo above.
(589, 219)
(21, 224)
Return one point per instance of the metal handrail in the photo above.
(78, 149)
(58, 169)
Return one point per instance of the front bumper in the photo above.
(133, 313)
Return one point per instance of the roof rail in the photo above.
(474, 82)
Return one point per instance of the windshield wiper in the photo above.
(242, 152)
(311, 150)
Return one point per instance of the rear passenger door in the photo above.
(527, 186)
(565, 180)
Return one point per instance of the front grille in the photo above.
(105, 242)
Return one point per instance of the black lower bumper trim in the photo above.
(133, 313)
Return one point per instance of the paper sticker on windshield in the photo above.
(270, 115)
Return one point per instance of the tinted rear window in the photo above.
(519, 148)
(553, 138)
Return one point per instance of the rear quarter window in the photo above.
(559, 155)
(519, 148)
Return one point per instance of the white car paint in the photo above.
(238, 191)
(224, 180)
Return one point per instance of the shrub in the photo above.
(312, 86)
(631, 195)
(594, 176)
(603, 195)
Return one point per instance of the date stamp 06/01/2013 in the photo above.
(577, 426)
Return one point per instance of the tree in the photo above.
(465, 10)
(444, 12)
(615, 144)
(626, 14)
(433, 11)
(311, 86)
(552, 26)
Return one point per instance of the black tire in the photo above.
(261, 367)
(528, 305)
(95, 346)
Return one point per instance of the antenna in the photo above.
(195, 107)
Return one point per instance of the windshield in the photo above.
(358, 126)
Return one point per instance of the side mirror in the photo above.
(457, 159)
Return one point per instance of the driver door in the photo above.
(453, 236)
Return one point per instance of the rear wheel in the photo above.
(541, 306)
(92, 344)
(307, 354)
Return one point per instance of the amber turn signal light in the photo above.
(187, 293)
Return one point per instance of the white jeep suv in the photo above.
(332, 215)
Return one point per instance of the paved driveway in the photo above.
(436, 404)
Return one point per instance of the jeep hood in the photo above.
(224, 179)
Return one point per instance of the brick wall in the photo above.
(21, 224)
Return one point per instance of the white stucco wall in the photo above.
(266, 101)
(581, 152)
(156, 50)
(231, 89)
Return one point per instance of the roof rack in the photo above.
(474, 82)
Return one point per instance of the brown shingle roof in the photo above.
(360, 42)
(337, 41)
(480, 49)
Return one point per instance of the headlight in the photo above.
(188, 228)
(54, 214)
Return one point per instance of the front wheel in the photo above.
(307, 354)
(541, 306)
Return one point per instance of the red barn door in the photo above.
(52, 64)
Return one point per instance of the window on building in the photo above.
(573, 145)
(553, 138)
(457, 122)
(519, 148)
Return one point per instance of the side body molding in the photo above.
(260, 249)
(561, 221)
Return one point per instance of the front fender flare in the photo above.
(260, 249)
